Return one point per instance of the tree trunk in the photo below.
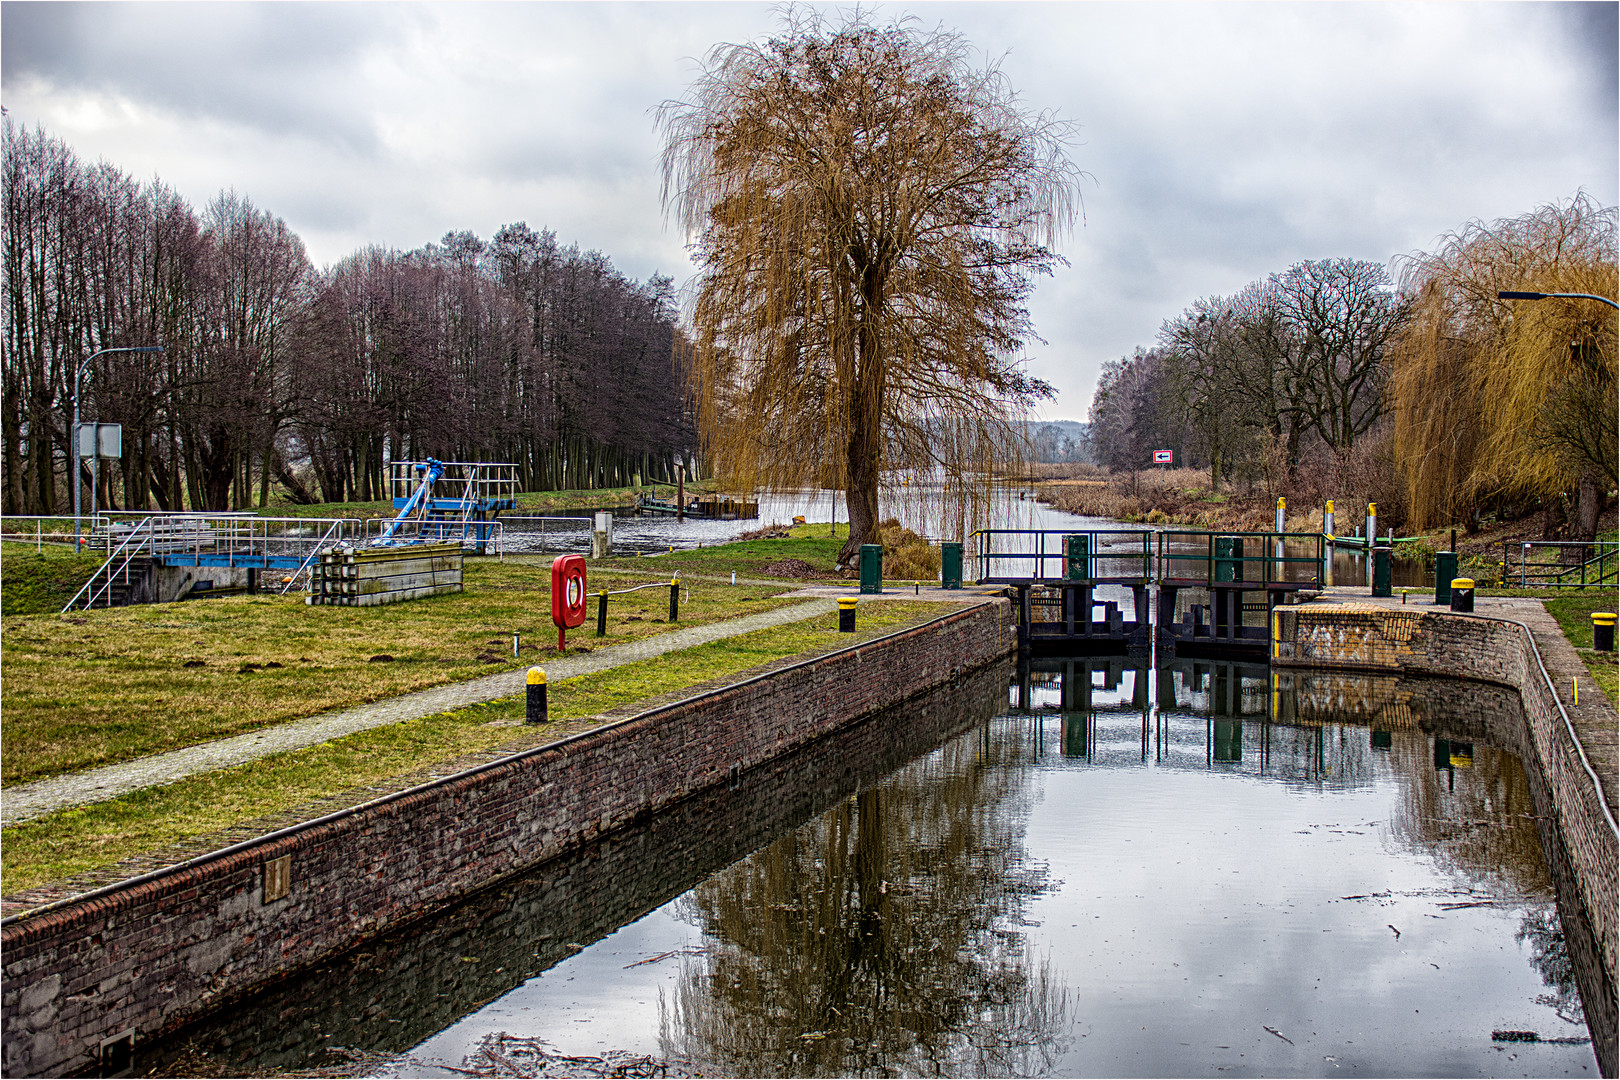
(1588, 507)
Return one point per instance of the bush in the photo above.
(907, 555)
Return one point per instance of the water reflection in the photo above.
(882, 938)
(1081, 866)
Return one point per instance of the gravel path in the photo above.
(25, 801)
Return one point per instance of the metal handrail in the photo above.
(1556, 576)
(320, 546)
(1272, 556)
(123, 568)
(984, 538)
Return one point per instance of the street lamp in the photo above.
(78, 375)
(1508, 294)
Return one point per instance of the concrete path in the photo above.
(23, 802)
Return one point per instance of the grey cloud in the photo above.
(282, 68)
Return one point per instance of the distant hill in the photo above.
(1058, 440)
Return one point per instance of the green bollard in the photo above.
(871, 568)
(1382, 572)
(1445, 568)
(950, 564)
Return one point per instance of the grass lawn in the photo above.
(37, 582)
(815, 544)
(74, 841)
(1574, 615)
(94, 687)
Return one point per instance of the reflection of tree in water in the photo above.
(1475, 821)
(1549, 953)
(880, 938)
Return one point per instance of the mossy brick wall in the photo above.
(1487, 650)
(147, 957)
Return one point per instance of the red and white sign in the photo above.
(567, 594)
(1164, 457)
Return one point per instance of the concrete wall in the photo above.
(1493, 651)
(149, 955)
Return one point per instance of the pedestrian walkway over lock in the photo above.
(1197, 591)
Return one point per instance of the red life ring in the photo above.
(568, 591)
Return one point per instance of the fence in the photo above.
(1559, 564)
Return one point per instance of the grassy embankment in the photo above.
(1574, 614)
(75, 841)
(93, 687)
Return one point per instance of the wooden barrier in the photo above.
(370, 576)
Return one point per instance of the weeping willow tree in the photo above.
(868, 210)
(1503, 401)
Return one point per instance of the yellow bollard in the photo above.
(535, 704)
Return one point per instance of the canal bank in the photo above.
(88, 978)
(1568, 749)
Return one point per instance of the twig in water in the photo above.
(1279, 1034)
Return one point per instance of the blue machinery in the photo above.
(448, 501)
(1197, 593)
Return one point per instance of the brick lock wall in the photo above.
(1492, 651)
(147, 957)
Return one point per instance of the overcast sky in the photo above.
(1226, 141)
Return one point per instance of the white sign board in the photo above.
(1164, 457)
(101, 440)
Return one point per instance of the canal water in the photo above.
(1078, 867)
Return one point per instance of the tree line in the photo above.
(1456, 403)
(517, 349)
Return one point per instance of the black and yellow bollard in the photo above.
(675, 600)
(1462, 595)
(1603, 631)
(535, 705)
(846, 614)
(601, 613)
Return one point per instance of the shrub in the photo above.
(907, 555)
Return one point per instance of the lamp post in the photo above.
(1509, 294)
(78, 376)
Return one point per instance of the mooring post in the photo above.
(535, 703)
(601, 614)
(846, 614)
(674, 599)
(1327, 544)
(1603, 631)
(1372, 524)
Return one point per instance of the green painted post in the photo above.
(1445, 568)
(950, 562)
(1077, 557)
(1382, 572)
(871, 568)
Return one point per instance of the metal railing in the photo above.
(445, 532)
(1560, 564)
(140, 536)
(10, 530)
(1257, 558)
(1110, 555)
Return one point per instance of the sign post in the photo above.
(1161, 458)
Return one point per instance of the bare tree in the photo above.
(868, 209)
(1341, 314)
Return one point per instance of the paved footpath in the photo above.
(26, 801)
